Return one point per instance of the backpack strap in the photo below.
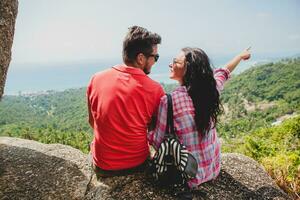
(170, 122)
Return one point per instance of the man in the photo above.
(122, 103)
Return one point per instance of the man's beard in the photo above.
(146, 70)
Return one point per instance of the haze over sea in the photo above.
(33, 78)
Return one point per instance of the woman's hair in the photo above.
(201, 86)
(138, 40)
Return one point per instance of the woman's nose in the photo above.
(171, 65)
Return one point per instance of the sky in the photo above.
(58, 31)
(60, 44)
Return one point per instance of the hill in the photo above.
(255, 103)
(260, 96)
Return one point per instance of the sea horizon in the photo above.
(40, 77)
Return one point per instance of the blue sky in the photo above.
(50, 31)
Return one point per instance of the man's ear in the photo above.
(140, 59)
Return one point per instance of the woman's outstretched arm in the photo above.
(244, 55)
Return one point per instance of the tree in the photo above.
(8, 15)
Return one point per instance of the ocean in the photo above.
(32, 78)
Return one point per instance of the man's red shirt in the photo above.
(122, 102)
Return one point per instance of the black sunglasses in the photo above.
(155, 56)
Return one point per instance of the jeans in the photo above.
(109, 173)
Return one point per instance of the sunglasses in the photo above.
(155, 56)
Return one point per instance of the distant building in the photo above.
(276, 123)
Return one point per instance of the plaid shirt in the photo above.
(206, 149)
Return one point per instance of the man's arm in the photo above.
(152, 124)
(91, 119)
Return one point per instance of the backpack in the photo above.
(172, 163)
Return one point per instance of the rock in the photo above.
(31, 170)
(242, 178)
(8, 14)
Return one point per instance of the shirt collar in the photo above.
(181, 89)
(128, 69)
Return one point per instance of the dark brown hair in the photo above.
(138, 40)
(201, 86)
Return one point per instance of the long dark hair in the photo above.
(201, 86)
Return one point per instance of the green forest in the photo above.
(260, 118)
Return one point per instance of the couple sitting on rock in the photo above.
(127, 109)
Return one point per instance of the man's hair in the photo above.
(138, 40)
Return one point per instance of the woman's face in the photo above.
(177, 67)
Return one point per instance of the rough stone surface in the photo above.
(31, 170)
(8, 14)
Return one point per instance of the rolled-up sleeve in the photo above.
(221, 75)
(156, 136)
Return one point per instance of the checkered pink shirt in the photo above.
(206, 149)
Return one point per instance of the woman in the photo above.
(196, 106)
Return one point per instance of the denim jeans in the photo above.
(109, 173)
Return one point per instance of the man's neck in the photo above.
(133, 65)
